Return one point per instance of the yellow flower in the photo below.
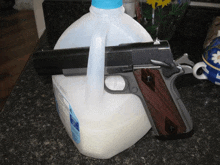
(152, 2)
(163, 3)
(159, 3)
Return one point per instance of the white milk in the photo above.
(102, 124)
(115, 125)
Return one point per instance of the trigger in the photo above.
(187, 69)
(115, 83)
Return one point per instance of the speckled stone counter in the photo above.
(31, 131)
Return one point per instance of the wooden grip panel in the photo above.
(163, 110)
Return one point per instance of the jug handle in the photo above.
(96, 64)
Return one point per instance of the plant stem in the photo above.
(153, 15)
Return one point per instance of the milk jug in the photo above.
(100, 124)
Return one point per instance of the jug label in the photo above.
(65, 112)
(74, 123)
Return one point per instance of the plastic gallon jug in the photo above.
(100, 124)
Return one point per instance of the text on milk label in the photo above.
(65, 110)
(74, 123)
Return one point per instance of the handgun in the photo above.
(149, 71)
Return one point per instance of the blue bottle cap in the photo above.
(107, 4)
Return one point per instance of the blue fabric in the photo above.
(107, 4)
(215, 42)
(213, 75)
(212, 56)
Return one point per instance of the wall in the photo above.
(23, 5)
(39, 16)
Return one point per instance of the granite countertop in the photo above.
(32, 132)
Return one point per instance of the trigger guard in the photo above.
(116, 84)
